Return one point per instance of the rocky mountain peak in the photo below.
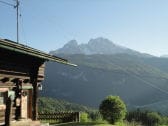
(71, 47)
(100, 41)
(98, 45)
(72, 43)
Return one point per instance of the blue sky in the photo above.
(141, 25)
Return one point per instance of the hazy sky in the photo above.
(141, 25)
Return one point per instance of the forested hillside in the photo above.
(47, 104)
(105, 68)
(137, 80)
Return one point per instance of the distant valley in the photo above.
(104, 68)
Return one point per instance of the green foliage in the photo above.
(95, 116)
(85, 124)
(113, 109)
(119, 123)
(146, 117)
(133, 123)
(153, 118)
(164, 120)
(84, 117)
(46, 104)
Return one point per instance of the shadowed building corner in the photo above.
(21, 73)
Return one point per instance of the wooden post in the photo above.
(78, 117)
(35, 95)
(34, 80)
(8, 112)
(30, 104)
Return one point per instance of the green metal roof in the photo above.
(20, 48)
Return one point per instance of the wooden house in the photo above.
(21, 73)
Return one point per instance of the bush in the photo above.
(153, 118)
(113, 109)
(164, 120)
(95, 116)
(145, 117)
(84, 117)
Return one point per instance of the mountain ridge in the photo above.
(98, 45)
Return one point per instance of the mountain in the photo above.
(95, 46)
(105, 68)
(70, 48)
(160, 106)
(164, 56)
(138, 81)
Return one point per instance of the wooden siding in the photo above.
(20, 73)
(19, 66)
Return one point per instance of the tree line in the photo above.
(112, 109)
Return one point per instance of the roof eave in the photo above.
(13, 46)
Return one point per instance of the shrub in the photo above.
(84, 117)
(145, 117)
(153, 118)
(113, 109)
(95, 116)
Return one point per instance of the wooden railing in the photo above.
(60, 117)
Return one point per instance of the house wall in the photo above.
(19, 78)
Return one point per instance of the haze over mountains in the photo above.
(104, 68)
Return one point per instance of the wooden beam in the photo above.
(14, 76)
(26, 81)
(7, 72)
(5, 79)
(34, 81)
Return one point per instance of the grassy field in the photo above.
(97, 124)
(83, 124)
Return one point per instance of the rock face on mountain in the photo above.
(105, 69)
(70, 48)
(95, 46)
